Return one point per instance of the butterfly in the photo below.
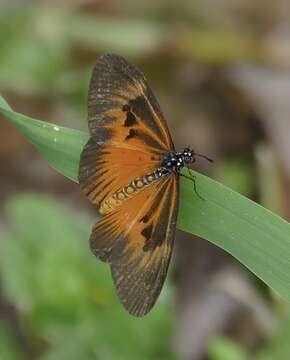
(129, 170)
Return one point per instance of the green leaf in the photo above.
(8, 344)
(278, 346)
(59, 145)
(223, 348)
(256, 237)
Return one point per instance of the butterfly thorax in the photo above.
(173, 163)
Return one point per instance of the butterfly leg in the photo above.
(193, 179)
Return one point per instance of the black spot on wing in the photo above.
(145, 138)
(132, 133)
(145, 219)
(140, 107)
(147, 232)
(130, 120)
(126, 107)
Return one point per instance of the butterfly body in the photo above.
(129, 170)
(173, 163)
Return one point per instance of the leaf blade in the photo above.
(59, 145)
(256, 237)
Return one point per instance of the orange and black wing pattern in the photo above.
(129, 139)
(137, 241)
(128, 132)
(123, 110)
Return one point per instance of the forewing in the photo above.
(137, 241)
(122, 108)
(129, 134)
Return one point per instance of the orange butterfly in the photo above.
(130, 170)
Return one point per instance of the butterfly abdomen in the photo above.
(130, 190)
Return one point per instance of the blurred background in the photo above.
(221, 71)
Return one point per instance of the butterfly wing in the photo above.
(122, 108)
(129, 138)
(129, 134)
(137, 241)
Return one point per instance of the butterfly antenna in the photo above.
(205, 157)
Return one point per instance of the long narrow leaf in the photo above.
(59, 145)
(256, 237)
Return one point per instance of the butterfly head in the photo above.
(187, 156)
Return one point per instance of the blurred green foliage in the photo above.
(37, 50)
(236, 174)
(42, 48)
(277, 348)
(65, 297)
(224, 349)
(8, 346)
(31, 60)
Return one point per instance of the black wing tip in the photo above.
(120, 64)
(111, 55)
(136, 303)
(137, 311)
(112, 58)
